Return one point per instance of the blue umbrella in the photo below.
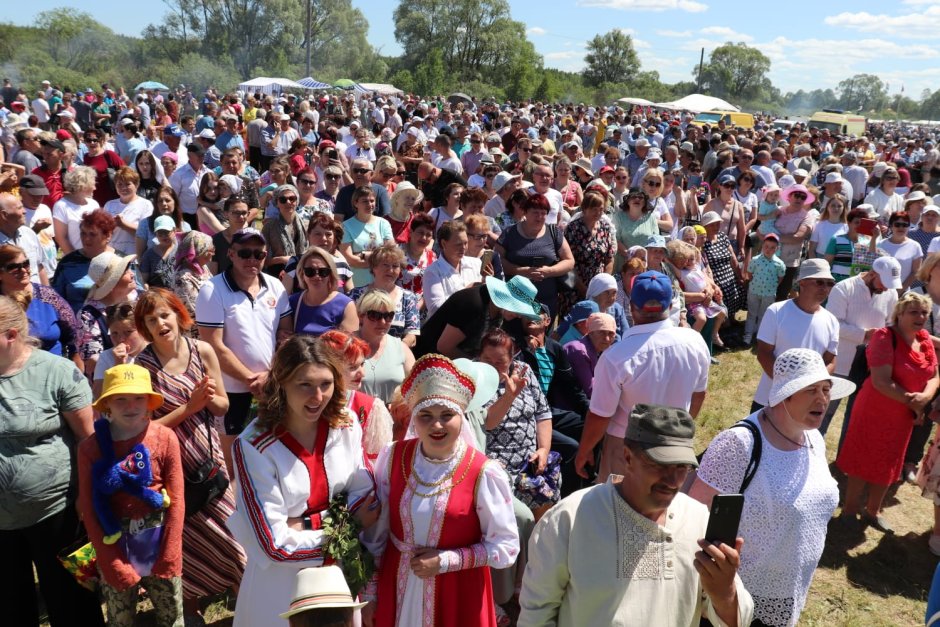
(152, 85)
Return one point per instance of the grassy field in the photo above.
(864, 579)
(870, 579)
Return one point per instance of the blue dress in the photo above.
(317, 320)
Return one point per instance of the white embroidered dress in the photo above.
(422, 518)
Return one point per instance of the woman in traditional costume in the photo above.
(302, 450)
(447, 514)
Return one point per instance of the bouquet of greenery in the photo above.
(343, 545)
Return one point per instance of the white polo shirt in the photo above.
(249, 324)
(185, 182)
(786, 326)
(656, 363)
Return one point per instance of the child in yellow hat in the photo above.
(131, 499)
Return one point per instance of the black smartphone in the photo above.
(724, 518)
(538, 261)
(332, 154)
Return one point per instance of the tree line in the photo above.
(473, 46)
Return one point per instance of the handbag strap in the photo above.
(751, 469)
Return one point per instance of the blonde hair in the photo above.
(374, 299)
(910, 299)
(327, 258)
(678, 251)
(13, 317)
(926, 267)
(81, 177)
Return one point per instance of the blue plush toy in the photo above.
(132, 475)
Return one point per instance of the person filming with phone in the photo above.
(633, 550)
(791, 496)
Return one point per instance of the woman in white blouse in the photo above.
(792, 495)
(453, 270)
(884, 198)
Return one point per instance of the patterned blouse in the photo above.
(513, 440)
(407, 319)
(592, 250)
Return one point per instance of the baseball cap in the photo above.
(174, 130)
(164, 223)
(889, 271)
(34, 185)
(652, 291)
(244, 235)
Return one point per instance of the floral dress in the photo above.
(719, 254)
(592, 252)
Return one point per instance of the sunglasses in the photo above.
(384, 316)
(476, 141)
(13, 267)
(361, 170)
(333, 177)
(653, 183)
(307, 181)
(248, 253)
(286, 199)
(901, 225)
(797, 195)
(320, 272)
(122, 311)
(400, 173)
(478, 237)
(632, 198)
(823, 283)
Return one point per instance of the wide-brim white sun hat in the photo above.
(799, 368)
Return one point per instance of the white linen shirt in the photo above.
(657, 363)
(185, 182)
(857, 309)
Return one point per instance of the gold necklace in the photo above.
(420, 481)
(440, 486)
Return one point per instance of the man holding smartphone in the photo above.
(631, 551)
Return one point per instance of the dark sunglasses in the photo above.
(901, 225)
(797, 195)
(307, 181)
(653, 183)
(361, 170)
(400, 173)
(823, 283)
(476, 141)
(384, 316)
(122, 310)
(284, 199)
(320, 272)
(248, 253)
(333, 177)
(13, 267)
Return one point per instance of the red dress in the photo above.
(880, 427)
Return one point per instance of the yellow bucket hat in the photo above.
(127, 379)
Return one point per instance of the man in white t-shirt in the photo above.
(801, 322)
(542, 177)
(862, 304)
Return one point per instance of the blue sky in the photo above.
(832, 40)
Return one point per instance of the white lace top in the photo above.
(787, 508)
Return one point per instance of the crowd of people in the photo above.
(480, 332)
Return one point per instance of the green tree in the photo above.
(403, 80)
(429, 75)
(862, 92)
(735, 71)
(611, 58)
(477, 39)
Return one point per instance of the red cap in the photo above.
(63, 134)
(605, 170)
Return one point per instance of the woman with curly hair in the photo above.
(302, 450)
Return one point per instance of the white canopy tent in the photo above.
(640, 102)
(382, 89)
(267, 85)
(698, 103)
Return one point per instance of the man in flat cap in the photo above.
(631, 551)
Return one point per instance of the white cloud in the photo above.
(562, 54)
(726, 33)
(640, 44)
(923, 25)
(690, 6)
(535, 30)
(674, 33)
(628, 31)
